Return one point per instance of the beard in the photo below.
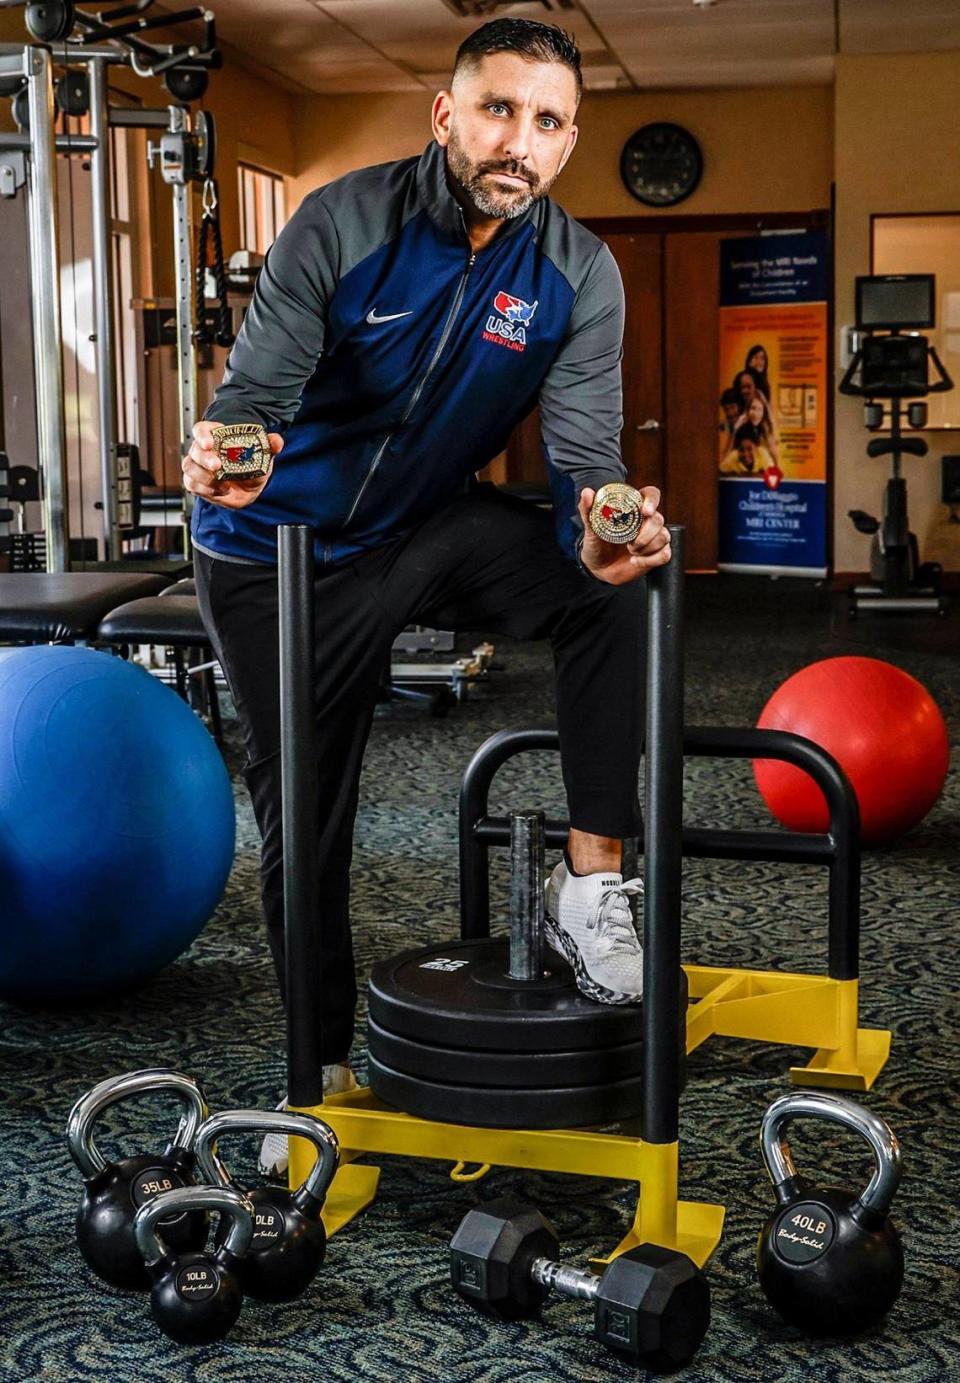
(503, 201)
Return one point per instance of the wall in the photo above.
(765, 150)
(897, 141)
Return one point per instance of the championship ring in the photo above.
(616, 515)
(243, 450)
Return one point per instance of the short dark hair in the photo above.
(528, 38)
(729, 396)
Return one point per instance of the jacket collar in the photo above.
(442, 206)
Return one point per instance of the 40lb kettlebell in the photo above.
(289, 1240)
(114, 1191)
(830, 1261)
(195, 1297)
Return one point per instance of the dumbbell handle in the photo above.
(569, 1282)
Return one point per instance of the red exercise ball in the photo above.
(883, 728)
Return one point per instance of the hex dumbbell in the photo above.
(651, 1305)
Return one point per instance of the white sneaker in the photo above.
(588, 921)
(272, 1163)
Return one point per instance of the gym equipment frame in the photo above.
(799, 1009)
(29, 158)
(796, 1009)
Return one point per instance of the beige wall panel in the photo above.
(892, 155)
(764, 149)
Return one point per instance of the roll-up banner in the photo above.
(773, 405)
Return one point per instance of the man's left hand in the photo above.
(618, 563)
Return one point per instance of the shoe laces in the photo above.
(612, 918)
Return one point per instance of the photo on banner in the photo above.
(772, 429)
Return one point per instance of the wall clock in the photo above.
(661, 164)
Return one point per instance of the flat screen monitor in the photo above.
(895, 302)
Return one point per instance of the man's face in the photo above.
(507, 126)
(731, 411)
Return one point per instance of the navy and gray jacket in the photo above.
(396, 362)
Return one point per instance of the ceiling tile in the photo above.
(894, 26)
(408, 45)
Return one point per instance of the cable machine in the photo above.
(84, 46)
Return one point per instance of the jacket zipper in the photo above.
(444, 337)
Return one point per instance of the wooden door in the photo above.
(691, 389)
(670, 390)
(639, 258)
(670, 377)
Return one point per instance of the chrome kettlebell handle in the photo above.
(879, 1191)
(187, 1198)
(307, 1126)
(157, 1080)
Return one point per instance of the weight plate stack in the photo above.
(453, 1038)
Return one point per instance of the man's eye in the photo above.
(497, 106)
(549, 123)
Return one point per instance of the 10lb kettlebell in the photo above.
(195, 1297)
(114, 1191)
(289, 1240)
(830, 1261)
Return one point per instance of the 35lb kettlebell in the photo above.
(830, 1261)
(114, 1191)
(289, 1240)
(195, 1297)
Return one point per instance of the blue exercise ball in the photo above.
(116, 825)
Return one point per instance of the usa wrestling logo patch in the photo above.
(508, 322)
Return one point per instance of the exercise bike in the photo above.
(895, 367)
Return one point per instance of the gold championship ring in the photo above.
(616, 514)
(243, 451)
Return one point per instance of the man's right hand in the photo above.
(201, 463)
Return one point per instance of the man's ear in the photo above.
(440, 117)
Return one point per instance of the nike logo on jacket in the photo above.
(383, 426)
(372, 317)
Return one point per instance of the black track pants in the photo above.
(487, 562)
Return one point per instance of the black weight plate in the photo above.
(591, 1066)
(578, 1106)
(471, 1004)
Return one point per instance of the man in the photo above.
(405, 320)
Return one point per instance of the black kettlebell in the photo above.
(289, 1240)
(830, 1261)
(115, 1190)
(195, 1297)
